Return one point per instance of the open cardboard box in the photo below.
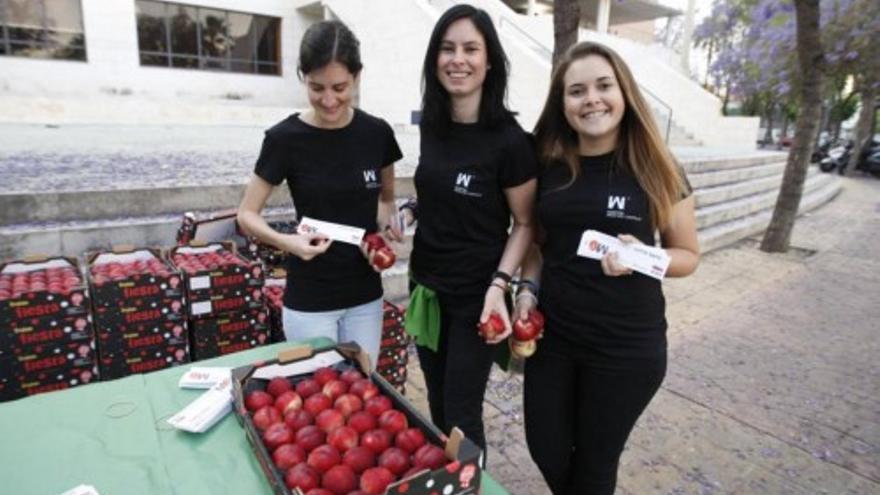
(43, 303)
(459, 477)
(115, 293)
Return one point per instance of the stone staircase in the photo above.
(735, 194)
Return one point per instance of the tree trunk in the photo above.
(708, 63)
(785, 123)
(777, 238)
(725, 101)
(566, 21)
(768, 132)
(864, 127)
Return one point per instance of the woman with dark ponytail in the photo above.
(338, 164)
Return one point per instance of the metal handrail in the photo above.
(548, 54)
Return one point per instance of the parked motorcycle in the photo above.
(838, 157)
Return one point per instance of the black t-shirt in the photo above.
(463, 213)
(334, 175)
(610, 319)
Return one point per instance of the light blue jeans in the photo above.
(361, 324)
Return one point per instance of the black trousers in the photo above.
(456, 375)
(578, 417)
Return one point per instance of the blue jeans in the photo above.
(361, 324)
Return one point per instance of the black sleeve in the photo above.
(392, 149)
(520, 161)
(272, 164)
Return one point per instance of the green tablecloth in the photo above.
(113, 436)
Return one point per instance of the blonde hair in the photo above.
(640, 150)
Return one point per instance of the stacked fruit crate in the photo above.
(226, 307)
(393, 352)
(139, 311)
(46, 337)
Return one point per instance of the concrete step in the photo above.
(64, 206)
(726, 192)
(726, 160)
(712, 178)
(725, 233)
(731, 210)
(75, 237)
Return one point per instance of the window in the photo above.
(178, 35)
(42, 29)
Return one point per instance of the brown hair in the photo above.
(640, 149)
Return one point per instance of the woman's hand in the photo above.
(495, 302)
(524, 303)
(306, 245)
(611, 265)
(370, 252)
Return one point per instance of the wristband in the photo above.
(527, 284)
(503, 276)
(412, 205)
(496, 284)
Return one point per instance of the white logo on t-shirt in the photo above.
(463, 185)
(371, 180)
(616, 202)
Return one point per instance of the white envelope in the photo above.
(206, 410)
(333, 231)
(648, 260)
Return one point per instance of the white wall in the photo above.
(113, 76)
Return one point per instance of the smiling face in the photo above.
(593, 104)
(462, 61)
(330, 91)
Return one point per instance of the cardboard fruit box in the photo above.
(269, 255)
(142, 360)
(208, 267)
(218, 302)
(229, 333)
(457, 473)
(25, 384)
(127, 273)
(276, 281)
(141, 311)
(40, 357)
(28, 332)
(42, 287)
(209, 227)
(126, 337)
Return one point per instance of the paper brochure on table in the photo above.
(299, 367)
(203, 377)
(209, 408)
(648, 260)
(333, 231)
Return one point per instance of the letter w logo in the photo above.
(463, 180)
(370, 175)
(616, 202)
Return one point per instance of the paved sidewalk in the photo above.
(774, 382)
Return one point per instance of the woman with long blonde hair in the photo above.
(604, 167)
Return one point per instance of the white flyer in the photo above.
(203, 377)
(333, 231)
(298, 367)
(648, 260)
(206, 410)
